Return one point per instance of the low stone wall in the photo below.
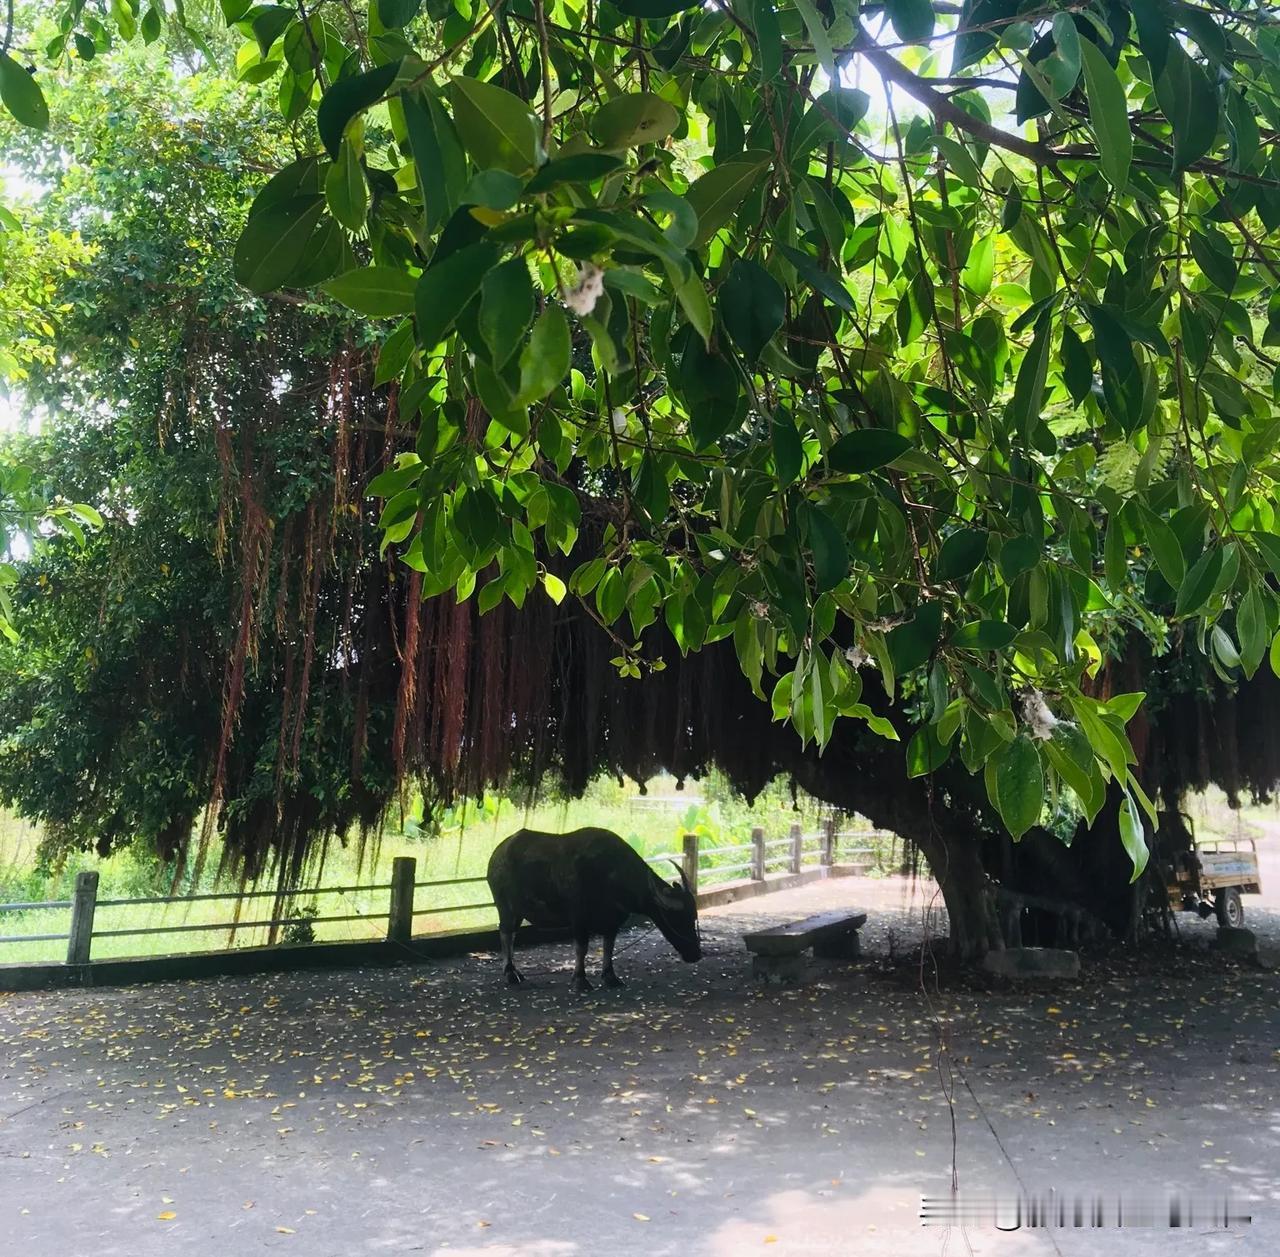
(244, 960)
(749, 887)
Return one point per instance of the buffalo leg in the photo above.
(507, 933)
(607, 974)
(581, 939)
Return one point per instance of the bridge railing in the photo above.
(704, 867)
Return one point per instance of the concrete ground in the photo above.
(431, 1110)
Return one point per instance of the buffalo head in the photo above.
(675, 913)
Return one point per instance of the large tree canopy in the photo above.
(923, 339)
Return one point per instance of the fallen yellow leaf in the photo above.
(167, 1216)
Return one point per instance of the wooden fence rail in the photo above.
(797, 853)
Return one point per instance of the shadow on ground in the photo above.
(690, 1113)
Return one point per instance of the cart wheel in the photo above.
(1230, 909)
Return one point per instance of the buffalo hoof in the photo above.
(580, 984)
(611, 979)
(514, 976)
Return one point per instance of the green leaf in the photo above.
(394, 354)
(911, 644)
(960, 161)
(544, 362)
(830, 119)
(1224, 647)
(394, 14)
(984, 635)
(694, 301)
(21, 94)
(493, 189)
(268, 23)
(768, 52)
(506, 307)
(830, 553)
(1028, 389)
(752, 307)
(1164, 546)
(348, 97)
(634, 119)
(818, 37)
(911, 19)
(1197, 587)
(496, 128)
(437, 154)
(1188, 99)
(866, 449)
(554, 586)
(1018, 555)
(273, 244)
(788, 451)
(1019, 785)
(379, 291)
(1269, 546)
(345, 189)
(389, 484)
(611, 595)
(1133, 837)
(577, 168)
(1115, 554)
(1077, 366)
(445, 289)
(1072, 757)
(717, 194)
(926, 751)
(1213, 255)
(961, 552)
(1251, 628)
(1108, 115)
(979, 270)
(819, 280)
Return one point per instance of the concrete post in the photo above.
(757, 854)
(690, 862)
(83, 904)
(797, 848)
(404, 871)
(829, 841)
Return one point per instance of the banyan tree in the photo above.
(880, 394)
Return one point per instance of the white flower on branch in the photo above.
(582, 297)
(856, 657)
(1040, 721)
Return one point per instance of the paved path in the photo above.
(430, 1110)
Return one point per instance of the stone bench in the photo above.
(777, 954)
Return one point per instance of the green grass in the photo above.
(457, 847)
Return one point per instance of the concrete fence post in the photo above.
(757, 854)
(690, 862)
(404, 872)
(797, 848)
(83, 903)
(829, 841)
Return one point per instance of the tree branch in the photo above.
(893, 71)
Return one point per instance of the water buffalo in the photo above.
(590, 881)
